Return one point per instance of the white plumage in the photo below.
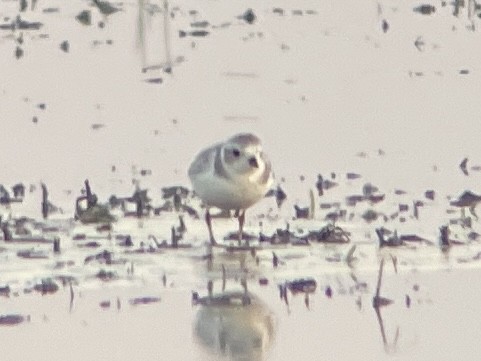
(233, 175)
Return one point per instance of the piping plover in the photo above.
(232, 175)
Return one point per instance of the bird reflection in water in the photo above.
(234, 324)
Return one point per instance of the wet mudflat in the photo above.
(369, 113)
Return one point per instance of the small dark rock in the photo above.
(278, 11)
(18, 52)
(104, 305)
(249, 16)
(385, 26)
(263, 281)
(301, 213)
(403, 207)
(429, 194)
(328, 292)
(5, 291)
(352, 176)
(65, 46)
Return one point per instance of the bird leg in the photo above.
(208, 220)
(241, 219)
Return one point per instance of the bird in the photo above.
(231, 175)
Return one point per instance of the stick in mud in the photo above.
(91, 198)
(275, 260)
(210, 288)
(444, 238)
(168, 60)
(306, 300)
(320, 185)
(312, 205)
(223, 278)
(56, 245)
(350, 256)
(71, 296)
(243, 283)
(173, 237)
(44, 201)
(7, 234)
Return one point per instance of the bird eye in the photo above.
(236, 152)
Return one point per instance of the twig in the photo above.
(223, 278)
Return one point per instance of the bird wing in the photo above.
(202, 162)
(266, 175)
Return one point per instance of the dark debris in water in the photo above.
(18, 52)
(193, 33)
(303, 285)
(144, 300)
(226, 299)
(154, 80)
(50, 10)
(200, 24)
(104, 257)
(32, 254)
(20, 24)
(329, 234)
(105, 7)
(425, 9)
(234, 236)
(106, 276)
(283, 236)
(12, 319)
(46, 286)
(301, 213)
(104, 305)
(279, 194)
(5, 291)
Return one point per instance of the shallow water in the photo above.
(328, 91)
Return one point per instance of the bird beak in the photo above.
(253, 162)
